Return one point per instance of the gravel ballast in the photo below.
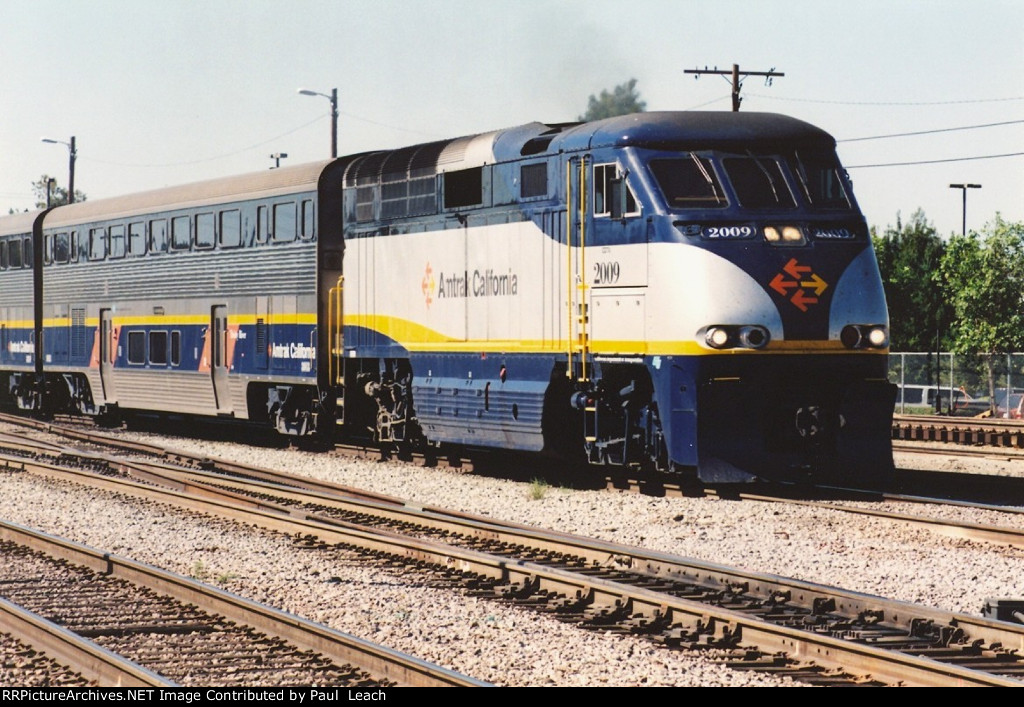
(505, 645)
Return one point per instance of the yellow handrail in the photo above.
(335, 333)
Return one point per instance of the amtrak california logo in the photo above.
(428, 285)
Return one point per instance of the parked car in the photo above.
(1010, 406)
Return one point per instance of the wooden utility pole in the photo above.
(736, 73)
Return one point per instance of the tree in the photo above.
(58, 194)
(984, 277)
(623, 100)
(908, 257)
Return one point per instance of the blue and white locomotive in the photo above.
(672, 290)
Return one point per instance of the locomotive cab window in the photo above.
(758, 182)
(612, 195)
(689, 183)
(821, 179)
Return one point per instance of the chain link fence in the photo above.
(955, 384)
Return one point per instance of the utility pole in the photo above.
(736, 74)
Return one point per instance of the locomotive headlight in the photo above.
(717, 337)
(791, 235)
(865, 336)
(784, 235)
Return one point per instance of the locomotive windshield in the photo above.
(689, 183)
(759, 182)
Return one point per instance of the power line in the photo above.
(889, 103)
(930, 132)
(211, 159)
(951, 159)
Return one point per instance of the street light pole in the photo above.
(72, 155)
(333, 98)
(964, 188)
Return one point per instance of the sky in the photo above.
(166, 92)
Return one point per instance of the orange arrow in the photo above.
(795, 269)
(815, 283)
(782, 285)
(801, 300)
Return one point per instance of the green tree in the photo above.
(908, 257)
(984, 277)
(623, 100)
(58, 194)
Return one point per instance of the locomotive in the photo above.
(682, 291)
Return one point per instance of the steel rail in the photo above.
(93, 662)
(377, 660)
(804, 645)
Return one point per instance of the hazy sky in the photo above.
(171, 91)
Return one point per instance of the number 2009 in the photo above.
(728, 231)
(606, 273)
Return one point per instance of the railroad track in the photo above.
(1003, 434)
(819, 634)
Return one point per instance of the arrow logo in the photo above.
(795, 269)
(801, 300)
(805, 287)
(781, 285)
(815, 283)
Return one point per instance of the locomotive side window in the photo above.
(284, 222)
(308, 219)
(230, 228)
(689, 183)
(78, 247)
(61, 248)
(206, 237)
(47, 248)
(464, 187)
(181, 234)
(158, 348)
(137, 238)
(609, 183)
(117, 244)
(97, 243)
(533, 180)
(28, 253)
(137, 348)
(3, 255)
(158, 236)
(758, 182)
